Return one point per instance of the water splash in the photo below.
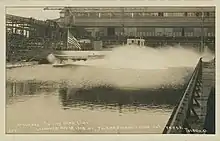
(134, 57)
(125, 66)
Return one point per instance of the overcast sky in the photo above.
(37, 13)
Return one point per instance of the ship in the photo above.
(64, 57)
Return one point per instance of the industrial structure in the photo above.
(27, 37)
(155, 24)
(189, 26)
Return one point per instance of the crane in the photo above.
(69, 9)
(54, 8)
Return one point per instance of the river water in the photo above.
(42, 99)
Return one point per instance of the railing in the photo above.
(18, 19)
(177, 121)
(210, 64)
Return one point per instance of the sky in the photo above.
(37, 13)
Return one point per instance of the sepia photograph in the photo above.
(110, 70)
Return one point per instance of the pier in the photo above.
(190, 114)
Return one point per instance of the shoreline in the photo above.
(20, 64)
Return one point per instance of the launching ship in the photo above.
(77, 55)
(75, 52)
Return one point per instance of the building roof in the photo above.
(13, 18)
(141, 9)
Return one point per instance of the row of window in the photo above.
(148, 14)
(207, 32)
(176, 34)
(17, 31)
(26, 33)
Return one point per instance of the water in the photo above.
(44, 107)
(133, 90)
(131, 62)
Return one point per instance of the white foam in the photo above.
(127, 66)
(134, 57)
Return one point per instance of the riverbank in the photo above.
(20, 64)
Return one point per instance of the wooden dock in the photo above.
(196, 109)
(207, 83)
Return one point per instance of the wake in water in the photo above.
(127, 66)
(134, 57)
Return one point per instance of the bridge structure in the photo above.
(195, 112)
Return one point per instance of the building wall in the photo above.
(175, 32)
(142, 13)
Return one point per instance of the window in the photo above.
(212, 14)
(178, 14)
(177, 34)
(168, 33)
(198, 14)
(159, 34)
(154, 14)
(210, 34)
(191, 14)
(189, 34)
(147, 14)
(160, 14)
(141, 33)
(153, 33)
(165, 14)
(147, 34)
(207, 14)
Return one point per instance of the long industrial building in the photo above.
(141, 21)
(151, 23)
(192, 26)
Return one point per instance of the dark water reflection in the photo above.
(19, 89)
(35, 102)
(165, 96)
(121, 97)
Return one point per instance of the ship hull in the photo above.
(80, 55)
